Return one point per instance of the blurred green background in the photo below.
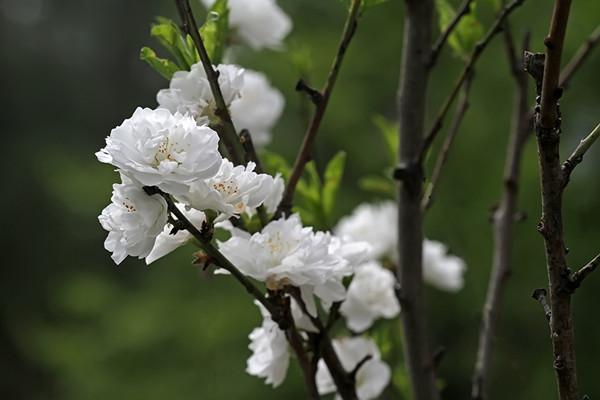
(74, 326)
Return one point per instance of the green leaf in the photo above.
(164, 67)
(331, 182)
(310, 186)
(377, 184)
(170, 37)
(389, 131)
(274, 163)
(215, 30)
(465, 35)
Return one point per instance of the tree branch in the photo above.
(461, 110)
(475, 54)
(321, 102)
(548, 125)
(343, 380)
(308, 370)
(412, 93)
(464, 9)
(224, 128)
(582, 53)
(578, 277)
(503, 220)
(577, 156)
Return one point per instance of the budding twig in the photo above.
(475, 54)
(580, 56)
(321, 105)
(577, 156)
(464, 9)
(578, 277)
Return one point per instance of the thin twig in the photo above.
(503, 219)
(548, 128)
(304, 153)
(582, 53)
(578, 277)
(475, 54)
(464, 9)
(343, 380)
(461, 110)
(577, 156)
(224, 128)
(309, 372)
(215, 255)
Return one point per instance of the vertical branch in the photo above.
(321, 99)
(548, 123)
(503, 220)
(414, 76)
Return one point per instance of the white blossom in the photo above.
(285, 252)
(370, 295)
(274, 198)
(440, 269)
(376, 224)
(258, 108)
(372, 377)
(167, 242)
(270, 353)
(259, 23)
(189, 91)
(133, 221)
(232, 191)
(157, 148)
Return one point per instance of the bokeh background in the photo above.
(74, 326)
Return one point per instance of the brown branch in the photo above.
(582, 53)
(578, 277)
(577, 156)
(412, 93)
(503, 220)
(475, 54)
(305, 151)
(224, 128)
(344, 381)
(464, 9)
(548, 124)
(461, 110)
(308, 370)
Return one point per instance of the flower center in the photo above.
(128, 205)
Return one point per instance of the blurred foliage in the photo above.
(73, 326)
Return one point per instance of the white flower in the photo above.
(157, 148)
(258, 107)
(189, 91)
(274, 198)
(285, 252)
(259, 23)
(376, 225)
(167, 242)
(270, 353)
(231, 191)
(372, 377)
(133, 221)
(370, 296)
(440, 269)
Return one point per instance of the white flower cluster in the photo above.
(174, 150)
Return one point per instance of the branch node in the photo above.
(541, 296)
(315, 96)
